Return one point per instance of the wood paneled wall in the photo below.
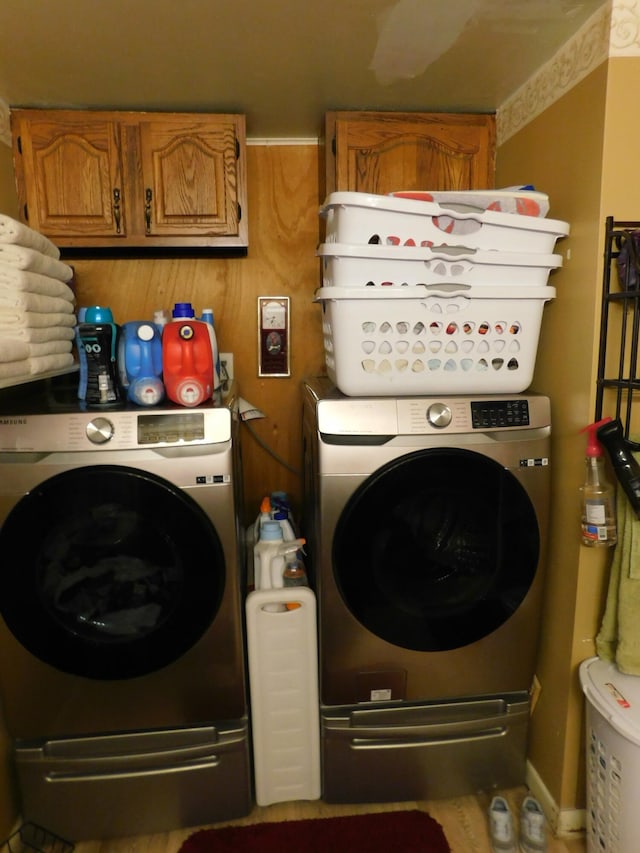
(283, 200)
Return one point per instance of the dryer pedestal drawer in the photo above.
(423, 751)
(136, 783)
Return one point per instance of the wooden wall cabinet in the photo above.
(380, 152)
(132, 180)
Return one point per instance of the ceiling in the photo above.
(282, 63)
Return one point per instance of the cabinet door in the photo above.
(192, 176)
(382, 152)
(69, 173)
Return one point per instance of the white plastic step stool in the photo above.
(283, 681)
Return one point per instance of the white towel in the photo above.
(14, 350)
(14, 369)
(48, 348)
(34, 302)
(18, 318)
(44, 363)
(38, 336)
(12, 231)
(34, 282)
(29, 259)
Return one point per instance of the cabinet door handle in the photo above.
(116, 208)
(148, 195)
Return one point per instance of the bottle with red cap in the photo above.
(597, 494)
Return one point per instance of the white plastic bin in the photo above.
(283, 681)
(353, 217)
(353, 265)
(427, 340)
(613, 757)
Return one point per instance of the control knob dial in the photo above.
(439, 415)
(99, 430)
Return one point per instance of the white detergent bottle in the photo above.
(288, 533)
(277, 561)
(254, 533)
(266, 546)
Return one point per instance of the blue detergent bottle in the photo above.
(207, 317)
(140, 362)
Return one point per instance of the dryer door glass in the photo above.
(114, 572)
(436, 549)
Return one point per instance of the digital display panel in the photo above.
(170, 429)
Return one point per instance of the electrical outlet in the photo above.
(226, 369)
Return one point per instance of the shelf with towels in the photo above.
(12, 381)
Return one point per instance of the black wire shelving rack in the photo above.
(619, 328)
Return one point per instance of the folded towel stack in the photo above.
(37, 316)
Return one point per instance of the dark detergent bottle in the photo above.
(97, 338)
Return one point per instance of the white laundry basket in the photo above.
(353, 265)
(613, 757)
(353, 217)
(424, 340)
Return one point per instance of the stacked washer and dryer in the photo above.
(427, 484)
(123, 676)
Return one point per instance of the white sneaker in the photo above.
(501, 828)
(533, 838)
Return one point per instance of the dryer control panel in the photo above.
(489, 414)
(339, 415)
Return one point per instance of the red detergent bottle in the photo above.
(187, 360)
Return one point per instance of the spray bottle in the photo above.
(625, 467)
(597, 494)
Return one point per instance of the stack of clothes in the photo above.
(37, 317)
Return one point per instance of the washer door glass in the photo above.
(436, 549)
(113, 573)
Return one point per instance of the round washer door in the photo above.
(114, 572)
(436, 549)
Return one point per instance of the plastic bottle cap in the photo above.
(271, 530)
(146, 332)
(97, 314)
(183, 309)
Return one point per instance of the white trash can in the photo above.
(613, 757)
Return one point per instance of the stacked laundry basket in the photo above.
(427, 293)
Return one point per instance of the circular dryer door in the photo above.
(436, 549)
(114, 572)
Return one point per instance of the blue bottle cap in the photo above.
(183, 309)
(271, 530)
(97, 314)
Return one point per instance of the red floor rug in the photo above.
(383, 832)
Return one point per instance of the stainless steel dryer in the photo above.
(427, 525)
(121, 639)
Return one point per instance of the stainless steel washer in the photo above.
(123, 680)
(427, 523)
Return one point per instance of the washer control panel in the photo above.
(115, 430)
